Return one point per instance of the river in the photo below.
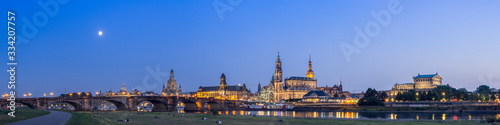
(383, 115)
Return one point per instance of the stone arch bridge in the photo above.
(130, 103)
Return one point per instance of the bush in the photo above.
(370, 101)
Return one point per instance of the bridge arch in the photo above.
(158, 106)
(31, 106)
(189, 105)
(213, 105)
(77, 106)
(119, 105)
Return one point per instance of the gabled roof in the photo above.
(316, 92)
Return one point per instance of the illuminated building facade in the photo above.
(123, 90)
(320, 96)
(336, 89)
(294, 88)
(420, 83)
(223, 91)
(171, 85)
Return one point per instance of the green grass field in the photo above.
(83, 118)
(111, 118)
(21, 114)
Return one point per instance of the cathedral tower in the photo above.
(278, 75)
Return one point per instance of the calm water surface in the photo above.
(369, 115)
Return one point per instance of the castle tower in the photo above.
(310, 72)
(223, 85)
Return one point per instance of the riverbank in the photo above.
(21, 114)
(193, 118)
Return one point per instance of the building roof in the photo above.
(299, 78)
(317, 93)
(210, 88)
(229, 88)
(406, 83)
(341, 98)
(425, 76)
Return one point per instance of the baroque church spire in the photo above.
(310, 72)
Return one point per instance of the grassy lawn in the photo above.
(84, 118)
(21, 114)
(110, 118)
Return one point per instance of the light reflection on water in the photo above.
(368, 115)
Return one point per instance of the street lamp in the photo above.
(29, 94)
(24, 95)
(51, 94)
(44, 94)
(96, 93)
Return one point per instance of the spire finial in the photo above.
(340, 82)
(123, 84)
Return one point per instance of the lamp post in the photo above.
(24, 95)
(51, 94)
(29, 94)
(44, 95)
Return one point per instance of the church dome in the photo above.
(123, 88)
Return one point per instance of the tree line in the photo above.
(482, 93)
(446, 93)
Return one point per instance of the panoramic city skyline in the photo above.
(109, 44)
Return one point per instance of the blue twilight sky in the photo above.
(456, 38)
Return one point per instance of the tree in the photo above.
(383, 96)
(428, 96)
(370, 98)
(370, 93)
(493, 97)
(370, 101)
(336, 95)
(343, 95)
(421, 96)
(399, 96)
(483, 89)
